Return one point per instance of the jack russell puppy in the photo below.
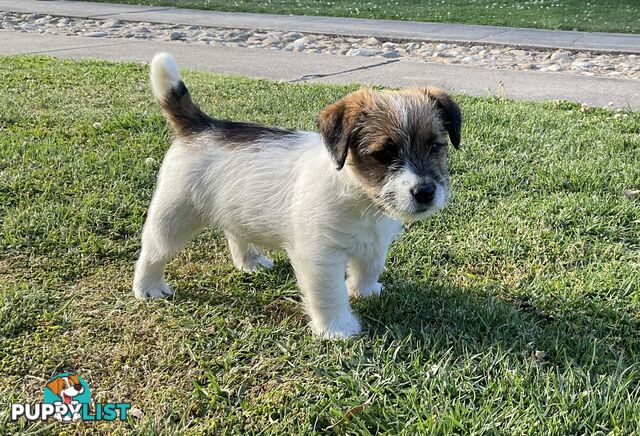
(333, 200)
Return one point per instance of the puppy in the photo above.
(66, 388)
(333, 200)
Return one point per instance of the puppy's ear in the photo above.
(56, 386)
(332, 129)
(337, 124)
(450, 113)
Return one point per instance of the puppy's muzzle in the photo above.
(424, 194)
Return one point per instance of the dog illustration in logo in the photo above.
(66, 387)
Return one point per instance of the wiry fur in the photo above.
(269, 188)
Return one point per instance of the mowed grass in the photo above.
(593, 16)
(515, 311)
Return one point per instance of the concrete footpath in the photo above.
(311, 67)
(381, 29)
(308, 67)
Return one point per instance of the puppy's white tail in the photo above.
(165, 75)
(173, 96)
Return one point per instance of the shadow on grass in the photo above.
(467, 319)
(474, 320)
(271, 294)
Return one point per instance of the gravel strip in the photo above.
(510, 58)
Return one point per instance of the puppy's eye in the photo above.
(437, 146)
(385, 157)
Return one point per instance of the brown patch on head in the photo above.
(380, 133)
(338, 123)
(450, 113)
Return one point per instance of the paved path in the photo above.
(310, 67)
(382, 29)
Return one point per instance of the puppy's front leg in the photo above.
(363, 273)
(320, 276)
(365, 266)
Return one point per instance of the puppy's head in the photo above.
(396, 145)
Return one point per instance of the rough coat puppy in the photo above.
(333, 200)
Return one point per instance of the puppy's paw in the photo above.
(256, 263)
(339, 327)
(357, 290)
(161, 290)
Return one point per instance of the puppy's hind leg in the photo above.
(246, 256)
(171, 223)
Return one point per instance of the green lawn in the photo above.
(594, 16)
(515, 311)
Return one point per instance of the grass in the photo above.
(515, 311)
(593, 16)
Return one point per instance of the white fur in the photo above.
(164, 74)
(289, 197)
(277, 195)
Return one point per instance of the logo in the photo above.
(67, 398)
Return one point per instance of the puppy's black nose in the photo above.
(424, 194)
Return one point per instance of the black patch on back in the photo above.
(241, 132)
(180, 91)
(188, 119)
(185, 116)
